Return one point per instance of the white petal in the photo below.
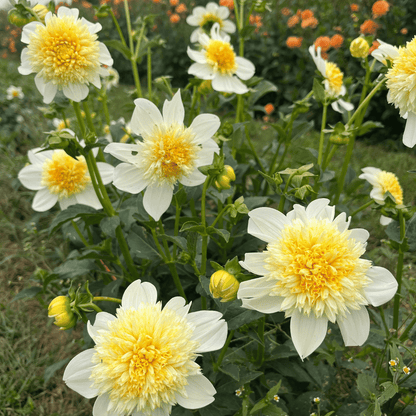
(342, 222)
(245, 68)
(195, 178)
(105, 57)
(255, 262)
(122, 151)
(101, 322)
(382, 288)
(409, 135)
(228, 83)
(355, 327)
(127, 178)
(44, 200)
(157, 199)
(89, 197)
(92, 27)
(66, 202)
(26, 67)
(101, 405)
(212, 7)
(96, 81)
(77, 374)
(192, 21)
(205, 126)
(223, 12)
(359, 234)
(264, 304)
(197, 56)
(31, 177)
(200, 393)
(307, 332)
(202, 71)
(255, 288)
(106, 171)
(206, 154)
(48, 90)
(385, 220)
(266, 223)
(316, 209)
(347, 106)
(196, 34)
(173, 111)
(177, 304)
(228, 26)
(145, 116)
(137, 293)
(28, 30)
(65, 11)
(37, 157)
(75, 92)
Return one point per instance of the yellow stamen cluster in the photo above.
(169, 154)
(318, 269)
(144, 359)
(210, 18)
(64, 51)
(64, 175)
(335, 77)
(390, 183)
(221, 56)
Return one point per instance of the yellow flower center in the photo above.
(64, 51)
(210, 18)
(65, 176)
(389, 183)
(334, 77)
(169, 154)
(221, 56)
(144, 359)
(318, 269)
(15, 93)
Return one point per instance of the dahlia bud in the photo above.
(41, 11)
(359, 48)
(339, 139)
(223, 285)
(224, 178)
(19, 18)
(60, 309)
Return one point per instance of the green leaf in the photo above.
(193, 226)
(318, 91)
(390, 389)
(221, 232)
(109, 224)
(263, 88)
(231, 370)
(75, 268)
(118, 46)
(258, 406)
(272, 410)
(273, 391)
(368, 126)
(366, 385)
(179, 241)
(141, 245)
(52, 369)
(30, 292)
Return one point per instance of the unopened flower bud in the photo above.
(18, 18)
(229, 172)
(60, 309)
(205, 87)
(41, 11)
(224, 178)
(339, 139)
(359, 48)
(223, 285)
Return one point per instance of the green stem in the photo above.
(222, 212)
(329, 156)
(194, 100)
(149, 73)
(260, 331)
(204, 224)
(322, 136)
(126, 253)
(88, 116)
(105, 298)
(105, 106)
(120, 33)
(176, 226)
(241, 49)
(223, 351)
(78, 115)
(250, 143)
(403, 337)
(80, 235)
(399, 272)
(369, 203)
(280, 165)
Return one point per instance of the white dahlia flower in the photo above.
(218, 62)
(385, 52)
(143, 361)
(169, 152)
(207, 16)
(14, 92)
(65, 54)
(333, 80)
(312, 271)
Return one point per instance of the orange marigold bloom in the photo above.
(355, 7)
(286, 11)
(369, 27)
(293, 21)
(294, 42)
(380, 8)
(227, 3)
(374, 46)
(336, 41)
(324, 55)
(324, 42)
(173, 2)
(403, 31)
(174, 18)
(311, 22)
(306, 14)
(181, 8)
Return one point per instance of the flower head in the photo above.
(359, 48)
(14, 92)
(112, 79)
(227, 3)
(205, 17)
(336, 41)
(217, 61)
(169, 152)
(312, 270)
(223, 285)
(57, 176)
(354, 7)
(380, 8)
(406, 370)
(60, 309)
(312, 22)
(269, 108)
(143, 361)
(333, 80)
(369, 27)
(65, 54)
(293, 20)
(174, 18)
(60, 124)
(322, 42)
(294, 42)
(286, 11)
(306, 14)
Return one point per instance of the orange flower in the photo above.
(306, 14)
(312, 23)
(298, 12)
(324, 55)
(293, 21)
(173, 2)
(338, 28)
(227, 3)
(255, 20)
(293, 42)
(355, 7)
(324, 42)
(403, 31)
(174, 18)
(4, 55)
(369, 27)
(181, 8)
(286, 11)
(380, 8)
(86, 5)
(374, 46)
(336, 41)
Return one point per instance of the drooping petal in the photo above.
(137, 293)
(255, 288)
(145, 116)
(266, 223)
(201, 71)
(195, 178)
(255, 262)
(101, 406)
(206, 154)
(127, 178)
(355, 327)
(44, 200)
(200, 393)
(75, 92)
(47, 89)
(307, 332)
(197, 56)
(157, 199)
(173, 111)
(359, 234)
(78, 372)
(205, 126)
(228, 83)
(409, 135)
(64, 203)
(245, 68)
(31, 177)
(383, 286)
